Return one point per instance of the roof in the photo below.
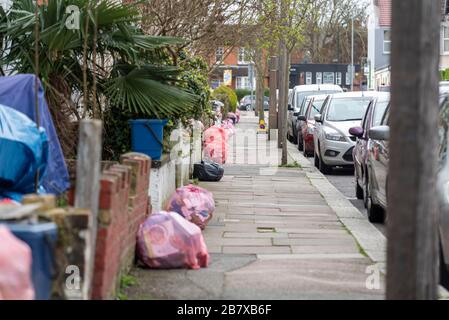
(384, 12)
(317, 87)
(360, 94)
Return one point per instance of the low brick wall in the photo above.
(124, 205)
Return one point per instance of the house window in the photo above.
(308, 77)
(328, 78)
(446, 39)
(219, 54)
(338, 78)
(215, 84)
(387, 41)
(243, 83)
(319, 78)
(242, 56)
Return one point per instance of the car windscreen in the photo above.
(300, 96)
(315, 108)
(379, 112)
(347, 109)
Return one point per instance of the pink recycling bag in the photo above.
(15, 268)
(193, 203)
(215, 144)
(166, 240)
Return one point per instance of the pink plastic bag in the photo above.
(215, 134)
(15, 268)
(216, 152)
(166, 240)
(238, 114)
(194, 203)
(228, 126)
(215, 144)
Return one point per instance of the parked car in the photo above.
(373, 117)
(332, 141)
(443, 187)
(297, 101)
(248, 103)
(306, 123)
(378, 177)
(377, 162)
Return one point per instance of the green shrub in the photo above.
(444, 75)
(242, 93)
(231, 96)
(266, 92)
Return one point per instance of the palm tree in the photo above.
(130, 69)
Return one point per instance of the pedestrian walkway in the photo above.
(273, 236)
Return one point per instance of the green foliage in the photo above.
(242, 93)
(266, 92)
(444, 75)
(223, 91)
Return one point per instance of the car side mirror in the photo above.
(317, 118)
(295, 114)
(356, 132)
(302, 118)
(290, 108)
(379, 133)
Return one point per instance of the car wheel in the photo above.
(248, 108)
(358, 190)
(316, 160)
(305, 153)
(375, 212)
(444, 270)
(324, 168)
(300, 144)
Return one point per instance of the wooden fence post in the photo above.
(87, 190)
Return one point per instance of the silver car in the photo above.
(332, 141)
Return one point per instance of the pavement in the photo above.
(277, 233)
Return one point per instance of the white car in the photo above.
(332, 141)
(296, 103)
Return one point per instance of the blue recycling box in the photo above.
(147, 137)
(41, 238)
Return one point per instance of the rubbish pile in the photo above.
(24, 152)
(193, 203)
(166, 240)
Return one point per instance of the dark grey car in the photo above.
(378, 175)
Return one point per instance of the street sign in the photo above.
(227, 77)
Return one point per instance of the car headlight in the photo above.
(335, 137)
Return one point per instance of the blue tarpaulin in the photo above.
(17, 92)
(23, 151)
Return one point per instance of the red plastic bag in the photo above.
(15, 268)
(166, 241)
(193, 203)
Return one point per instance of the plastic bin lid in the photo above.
(141, 121)
(27, 227)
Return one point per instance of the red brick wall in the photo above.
(123, 206)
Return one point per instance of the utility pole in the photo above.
(283, 89)
(412, 259)
(273, 117)
(352, 54)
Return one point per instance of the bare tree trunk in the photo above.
(273, 119)
(412, 271)
(285, 110)
(259, 83)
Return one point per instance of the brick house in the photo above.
(379, 42)
(236, 65)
